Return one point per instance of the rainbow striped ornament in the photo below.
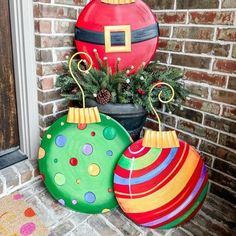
(160, 187)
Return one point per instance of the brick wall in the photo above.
(196, 36)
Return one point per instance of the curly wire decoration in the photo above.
(160, 99)
(81, 70)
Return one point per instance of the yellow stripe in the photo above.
(150, 190)
(165, 194)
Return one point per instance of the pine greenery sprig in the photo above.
(124, 88)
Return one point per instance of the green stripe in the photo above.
(141, 162)
(188, 213)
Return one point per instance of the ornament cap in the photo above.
(118, 1)
(160, 139)
(83, 115)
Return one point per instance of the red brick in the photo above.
(47, 121)
(228, 141)
(203, 33)
(44, 55)
(54, 41)
(160, 4)
(170, 45)
(229, 112)
(227, 34)
(48, 96)
(46, 83)
(203, 77)
(165, 118)
(203, 105)
(224, 96)
(228, 4)
(206, 158)
(45, 109)
(232, 83)
(220, 124)
(44, 26)
(165, 31)
(191, 61)
(62, 54)
(72, 2)
(49, 11)
(198, 130)
(225, 167)
(217, 151)
(234, 51)
(207, 48)
(62, 105)
(197, 90)
(188, 114)
(64, 27)
(216, 18)
(197, 4)
(49, 69)
(193, 141)
(170, 18)
(161, 56)
(222, 65)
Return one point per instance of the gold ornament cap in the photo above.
(118, 1)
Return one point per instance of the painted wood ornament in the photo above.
(119, 31)
(160, 181)
(77, 157)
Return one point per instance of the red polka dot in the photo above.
(74, 161)
(82, 126)
(110, 190)
(29, 212)
(93, 133)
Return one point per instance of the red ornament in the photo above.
(123, 32)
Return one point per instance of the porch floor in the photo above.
(217, 217)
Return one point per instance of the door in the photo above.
(9, 135)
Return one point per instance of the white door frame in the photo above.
(22, 24)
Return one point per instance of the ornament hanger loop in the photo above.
(160, 99)
(81, 70)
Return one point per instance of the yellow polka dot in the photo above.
(93, 170)
(78, 181)
(105, 210)
(49, 136)
(41, 153)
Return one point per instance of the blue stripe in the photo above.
(148, 176)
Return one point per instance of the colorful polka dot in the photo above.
(94, 170)
(90, 197)
(73, 161)
(74, 202)
(17, 196)
(93, 133)
(29, 212)
(109, 153)
(105, 210)
(62, 202)
(60, 141)
(110, 190)
(62, 123)
(49, 136)
(41, 153)
(27, 229)
(109, 133)
(55, 160)
(87, 149)
(78, 181)
(59, 179)
(82, 126)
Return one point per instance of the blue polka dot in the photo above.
(89, 197)
(109, 153)
(60, 141)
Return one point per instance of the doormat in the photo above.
(17, 218)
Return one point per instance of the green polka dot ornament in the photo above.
(77, 156)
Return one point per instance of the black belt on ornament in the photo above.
(117, 38)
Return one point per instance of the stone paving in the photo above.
(217, 217)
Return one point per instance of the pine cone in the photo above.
(103, 96)
(125, 87)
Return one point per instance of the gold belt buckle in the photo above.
(117, 28)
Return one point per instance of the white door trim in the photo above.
(22, 24)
